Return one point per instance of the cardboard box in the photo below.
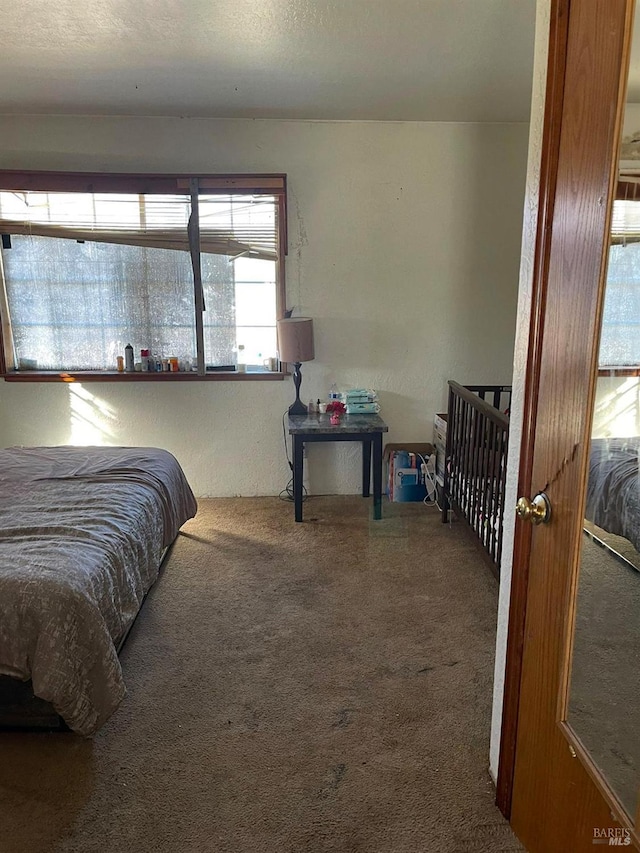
(404, 479)
(440, 421)
(440, 430)
(408, 485)
(440, 442)
(423, 448)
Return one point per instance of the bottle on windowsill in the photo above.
(128, 359)
(241, 367)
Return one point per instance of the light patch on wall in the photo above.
(91, 419)
(617, 411)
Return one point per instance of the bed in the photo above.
(613, 489)
(476, 462)
(82, 535)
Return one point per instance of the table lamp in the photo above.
(295, 345)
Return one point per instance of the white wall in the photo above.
(617, 407)
(530, 223)
(403, 246)
(631, 123)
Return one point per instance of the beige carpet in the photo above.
(323, 686)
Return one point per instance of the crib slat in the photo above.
(475, 471)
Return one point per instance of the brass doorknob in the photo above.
(537, 511)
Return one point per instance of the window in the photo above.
(187, 268)
(620, 340)
(620, 337)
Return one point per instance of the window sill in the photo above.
(115, 376)
(619, 371)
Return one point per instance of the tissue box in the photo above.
(361, 395)
(362, 408)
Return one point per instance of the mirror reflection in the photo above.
(604, 699)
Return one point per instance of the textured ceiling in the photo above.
(423, 60)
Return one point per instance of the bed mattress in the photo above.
(613, 490)
(82, 532)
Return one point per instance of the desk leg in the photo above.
(298, 460)
(366, 466)
(377, 475)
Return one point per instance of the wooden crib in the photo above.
(476, 457)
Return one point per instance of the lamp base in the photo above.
(298, 408)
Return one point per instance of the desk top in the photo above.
(348, 423)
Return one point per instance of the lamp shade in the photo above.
(295, 339)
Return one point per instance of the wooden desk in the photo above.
(367, 429)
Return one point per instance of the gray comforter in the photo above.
(613, 489)
(82, 531)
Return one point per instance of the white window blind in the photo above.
(620, 337)
(234, 225)
(625, 222)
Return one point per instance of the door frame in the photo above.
(554, 96)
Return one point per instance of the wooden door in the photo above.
(560, 799)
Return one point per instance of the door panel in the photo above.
(560, 801)
(604, 690)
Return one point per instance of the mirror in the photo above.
(604, 694)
